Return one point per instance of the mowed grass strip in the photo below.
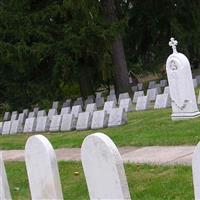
(147, 128)
(146, 182)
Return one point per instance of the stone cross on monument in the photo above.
(173, 43)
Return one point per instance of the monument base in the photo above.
(184, 116)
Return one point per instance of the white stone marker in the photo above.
(163, 83)
(1, 127)
(117, 117)
(195, 83)
(196, 171)
(142, 103)
(22, 118)
(84, 121)
(91, 108)
(30, 125)
(76, 110)
(151, 84)
(166, 90)
(55, 123)
(198, 79)
(55, 105)
(100, 102)
(26, 111)
(181, 86)
(36, 110)
(126, 104)
(152, 93)
(16, 127)
(109, 105)
(198, 98)
(79, 102)
(162, 101)
(14, 115)
(88, 101)
(65, 110)
(123, 96)
(6, 116)
(42, 169)
(68, 122)
(43, 124)
(4, 187)
(103, 168)
(32, 114)
(6, 127)
(112, 97)
(51, 113)
(98, 94)
(134, 88)
(41, 113)
(140, 86)
(99, 119)
(136, 95)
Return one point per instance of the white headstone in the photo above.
(100, 102)
(76, 110)
(136, 95)
(195, 83)
(198, 98)
(166, 90)
(67, 103)
(68, 122)
(91, 108)
(16, 127)
(151, 84)
(88, 101)
(182, 93)
(14, 115)
(6, 127)
(41, 113)
(65, 110)
(163, 83)
(51, 113)
(6, 116)
(26, 111)
(109, 105)
(55, 123)
(126, 104)
(32, 114)
(198, 79)
(4, 187)
(22, 118)
(84, 121)
(103, 168)
(30, 125)
(112, 90)
(117, 117)
(98, 94)
(162, 101)
(142, 103)
(1, 127)
(99, 120)
(124, 96)
(140, 86)
(79, 102)
(196, 171)
(112, 97)
(36, 110)
(55, 105)
(134, 88)
(152, 93)
(43, 124)
(42, 169)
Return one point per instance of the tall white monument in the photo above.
(181, 87)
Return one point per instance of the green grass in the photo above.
(152, 127)
(145, 182)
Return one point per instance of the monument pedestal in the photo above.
(184, 116)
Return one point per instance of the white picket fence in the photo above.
(102, 165)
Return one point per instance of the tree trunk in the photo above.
(121, 78)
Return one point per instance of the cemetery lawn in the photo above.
(147, 128)
(146, 182)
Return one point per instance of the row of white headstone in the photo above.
(102, 165)
(69, 119)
